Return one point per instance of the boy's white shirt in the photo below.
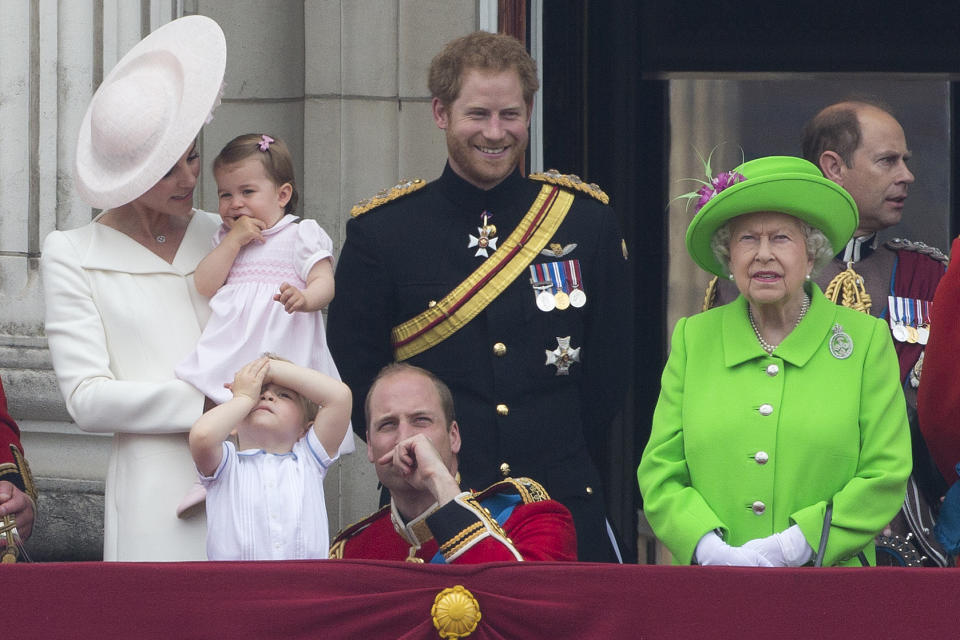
(264, 506)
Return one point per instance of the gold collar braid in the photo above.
(847, 289)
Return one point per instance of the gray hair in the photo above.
(818, 247)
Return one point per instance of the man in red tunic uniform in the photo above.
(16, 485)
(413, 440)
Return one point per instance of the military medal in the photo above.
(923, 321)
(542, 288)
(897, 326)
(563, 356)
(577, 297)
(910, 324)
(546, 301)
(486, 238)
(561, 297)
(841, 345)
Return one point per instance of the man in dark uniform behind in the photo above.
(515, 291)
(860, 145)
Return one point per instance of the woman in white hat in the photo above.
(121, 306)
(780, 434)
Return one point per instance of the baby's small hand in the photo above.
(248, 381)
(291, 298)
(244, 229)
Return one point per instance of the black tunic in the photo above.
(404, 254)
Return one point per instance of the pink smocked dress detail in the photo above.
(246, 321)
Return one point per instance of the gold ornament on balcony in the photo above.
(455, 613)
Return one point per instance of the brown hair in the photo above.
(276, 160)
(309, 407)
(837, 128)
(484, 51)
(446, 398)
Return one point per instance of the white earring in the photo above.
(808, 276)
(730, 276)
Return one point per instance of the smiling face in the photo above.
(245, 189)
(402, 405)
(486, 126)
(878, 178)
(276, 422)
(768, 257)
(173, 193)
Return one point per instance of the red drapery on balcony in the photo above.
(372, 599)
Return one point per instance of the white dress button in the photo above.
(772, 370)
(766, 409)
(758, 508)
(761, 457)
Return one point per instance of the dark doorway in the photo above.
(605, 118)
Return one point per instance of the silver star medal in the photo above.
(841, 344)
(486, 238)
(563, 356)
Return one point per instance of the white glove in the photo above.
(786, 549)
(712, 550)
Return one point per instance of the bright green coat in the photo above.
(837, 433)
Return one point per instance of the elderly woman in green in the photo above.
(781, 407)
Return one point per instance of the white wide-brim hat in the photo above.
(148, 110)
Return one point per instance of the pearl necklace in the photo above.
(766, 346)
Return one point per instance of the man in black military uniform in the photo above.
(515, 291)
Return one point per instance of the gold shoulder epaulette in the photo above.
(528, 490)
(350, 531)
(919, 247)
(571, 181)
(383, 197)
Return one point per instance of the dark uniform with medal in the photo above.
(539, 373)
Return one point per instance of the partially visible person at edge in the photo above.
(18, 497)
(858, 144)
(413, 442)
(938, 402)
(779, 408)
(121, 306)
(534, 342)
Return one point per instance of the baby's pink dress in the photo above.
(246, 321)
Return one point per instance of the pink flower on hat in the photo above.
(723, 180)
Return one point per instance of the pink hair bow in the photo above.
(265, 141)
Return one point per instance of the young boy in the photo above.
(265, 495)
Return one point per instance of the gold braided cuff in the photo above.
(462, 523)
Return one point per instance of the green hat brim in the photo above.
(778, 183)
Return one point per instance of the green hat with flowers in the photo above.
(784, 184)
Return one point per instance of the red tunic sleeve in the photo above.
(938, 397)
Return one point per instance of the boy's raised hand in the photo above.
(248, 381)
